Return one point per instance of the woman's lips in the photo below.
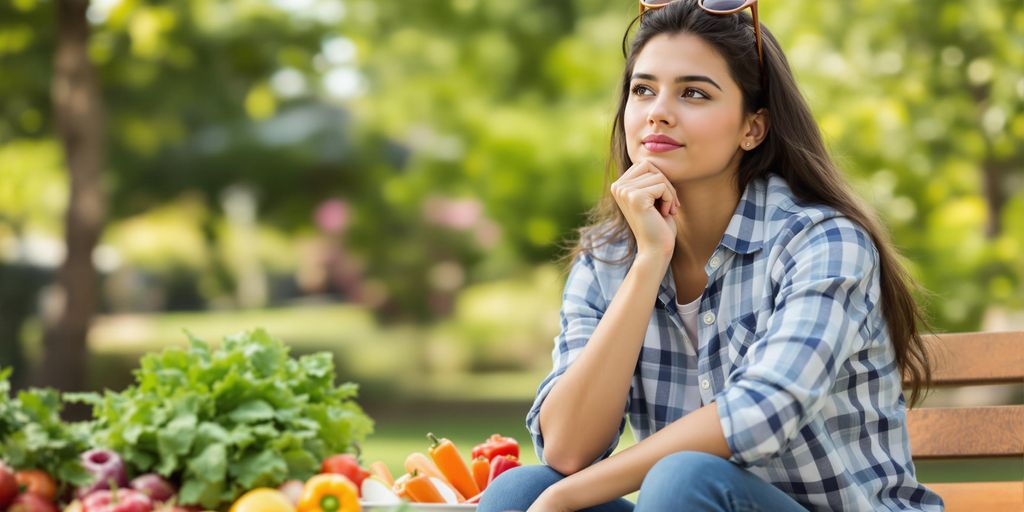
(660, 147)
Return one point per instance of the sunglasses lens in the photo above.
(723, 5)
(657, 3)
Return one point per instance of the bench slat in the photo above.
(977, 358)
(987, 496)
(958, 432)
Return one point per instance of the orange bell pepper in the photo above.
(481, 472)
(448, 460)
(418, 488)
(329, 493)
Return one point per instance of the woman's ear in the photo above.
(757, 124)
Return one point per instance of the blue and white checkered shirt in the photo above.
(793, 348)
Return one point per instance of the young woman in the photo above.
(732, 298)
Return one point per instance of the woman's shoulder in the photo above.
(790, 221)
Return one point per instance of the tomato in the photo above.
(37, 482)
(8, 486)
(347, 465)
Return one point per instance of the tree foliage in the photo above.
(393, 105)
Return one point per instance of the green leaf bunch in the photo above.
(33, 436)
(226, 420)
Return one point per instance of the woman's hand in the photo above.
(648, 200)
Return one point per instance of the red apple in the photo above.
(8, 486)
(30, 502)
(121, 500)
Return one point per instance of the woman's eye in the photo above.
(690, 92)
(641, 90)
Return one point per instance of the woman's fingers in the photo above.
(641, 167)
(665, 201)
(649, 195)
(655, 193)
(644, 180)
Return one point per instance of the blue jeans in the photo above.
(690, 481)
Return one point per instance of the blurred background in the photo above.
(395, 181)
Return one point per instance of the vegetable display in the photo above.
(224, 421)
(243, 427)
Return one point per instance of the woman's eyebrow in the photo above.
(684, 78)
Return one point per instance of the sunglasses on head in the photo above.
(719, 7)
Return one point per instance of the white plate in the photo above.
(417, 507)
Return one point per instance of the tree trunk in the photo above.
(81, 126)
(995, 197)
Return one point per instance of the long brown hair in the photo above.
(793, 149)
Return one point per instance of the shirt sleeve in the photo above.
(583, 306)
(828, 286)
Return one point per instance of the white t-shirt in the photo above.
(688, 312)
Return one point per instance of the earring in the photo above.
(748, 145)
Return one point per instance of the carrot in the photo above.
(448, 460)
(481, 471)
(380, 470)
(420, 489)
(416, 461)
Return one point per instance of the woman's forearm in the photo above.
(622, 474)
(583, 411)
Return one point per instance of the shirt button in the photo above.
(709, 318)
(705, 384)
(715, 262)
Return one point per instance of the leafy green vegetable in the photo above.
(224, 421)
(33, 436)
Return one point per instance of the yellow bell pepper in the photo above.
(329, 492)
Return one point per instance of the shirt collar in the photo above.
(745, 234)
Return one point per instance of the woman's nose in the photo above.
(660, 113)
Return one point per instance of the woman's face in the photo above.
(681, 91)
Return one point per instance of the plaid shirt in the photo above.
(793, 348)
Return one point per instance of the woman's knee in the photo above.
(689, 470)
(518, 488)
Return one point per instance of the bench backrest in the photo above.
(973, 432)
(956, 432)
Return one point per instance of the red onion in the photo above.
(105, 466)
(154, 486)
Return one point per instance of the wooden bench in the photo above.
(973, 432)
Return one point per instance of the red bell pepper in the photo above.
(501, 464)
(496, 445)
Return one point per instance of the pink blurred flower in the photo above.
(453, 213)
(332, 216)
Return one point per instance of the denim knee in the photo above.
(683, 473)
(518, 488)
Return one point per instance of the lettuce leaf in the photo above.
(33, 435)
(223, 421)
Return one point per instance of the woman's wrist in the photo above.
(654, 259)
